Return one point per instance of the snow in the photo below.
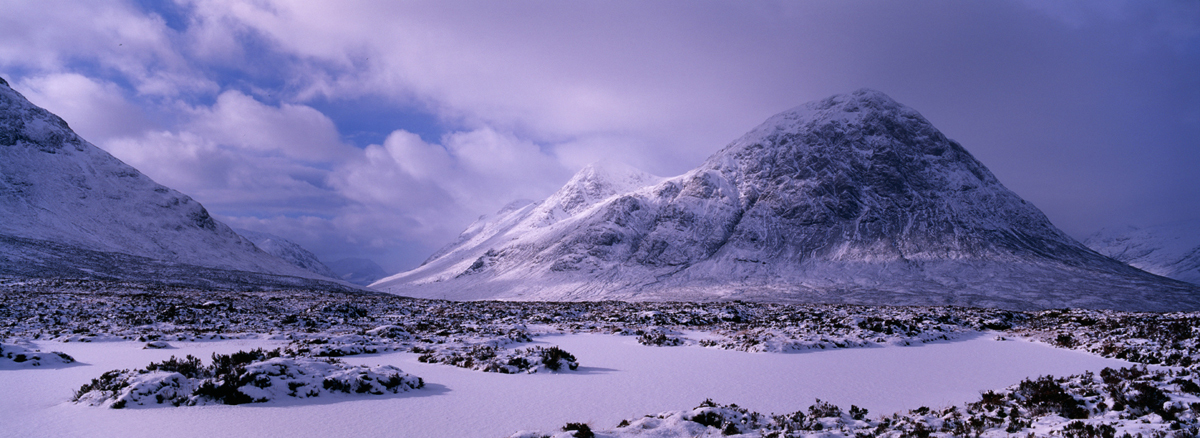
(617, 379)
(21, 356)
(854, 199)
(70, 209)
(287, 251)
(1171, 250)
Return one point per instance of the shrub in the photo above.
(110, 382)
(858, 413)
(1078, 429)
(1046, 396)
(582, 430)
(1187, 386)
(554, 357)
(189, 366)
(825, 409)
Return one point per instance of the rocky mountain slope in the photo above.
(1170, 250)
(853, 199)
(69, 209)
(288, 251)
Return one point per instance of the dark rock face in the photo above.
(854, 199)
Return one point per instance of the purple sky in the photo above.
(380, 130)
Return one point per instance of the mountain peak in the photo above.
(594, 183)
(68, 208)
(852, 199)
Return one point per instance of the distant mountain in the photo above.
(358, 271)
(69, 209)
(287, 250)
(853, 199)
(1170, 250)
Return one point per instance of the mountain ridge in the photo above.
(1171, 250)
(287, 251)
(59, 191)
(854, 198)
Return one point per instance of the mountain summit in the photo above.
(852, 199)
(70, 210)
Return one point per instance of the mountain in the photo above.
(69, 209)
(288, 251)
(852, 199)
(1170, 250)
(357, 271)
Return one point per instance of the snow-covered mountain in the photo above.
(852, 199)
(287, 250)
(356, 270)
(69, 209)
(1170, 250)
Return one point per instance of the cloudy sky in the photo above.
(380, 129)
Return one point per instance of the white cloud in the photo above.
(224, 106)
(441, 187)
(294, 131)
(551, 73)
(95, 109)
(242, 155)
(53, 35)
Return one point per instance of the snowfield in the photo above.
(618, 379)
(294, 362)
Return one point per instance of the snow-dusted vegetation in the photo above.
(333, 325)
(315, 329)
(485, 332)
(1150, 338)
(484, 357)
(1118, 402)
(254, 376)
(16, 356)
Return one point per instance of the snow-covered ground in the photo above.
(618, 379)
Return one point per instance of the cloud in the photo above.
(95, 109)
(408, 197)
(222, 99)
(242, 156)
(440, 187)
(294, 131)
(547, 72)
(112, 36)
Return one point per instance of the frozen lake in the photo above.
(617, 379)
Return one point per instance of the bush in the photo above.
(1046, 396)
(554, 357)
(582, 430)
(190, 366)
(1187, 386)
(110, 382)
(1078, 429)
(858, 413)
(825, 409)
